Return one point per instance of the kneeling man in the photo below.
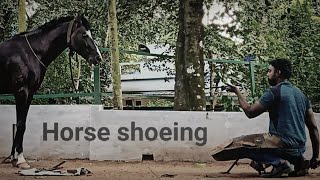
(289, 111)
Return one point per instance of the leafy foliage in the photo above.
(278, 28)
(160, 103)
(266, 29)
(7, 15)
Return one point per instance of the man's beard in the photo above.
(272, 82)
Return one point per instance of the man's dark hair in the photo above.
(283, 65)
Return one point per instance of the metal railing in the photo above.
(97, 94)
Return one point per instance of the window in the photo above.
(138, 103)
(129, 103)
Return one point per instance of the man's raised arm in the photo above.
(314, 137)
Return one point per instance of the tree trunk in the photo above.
(115, 66)
(213, 85)
(189, 86)
(22, 16)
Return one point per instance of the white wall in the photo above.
(221, 126)
(34, 146)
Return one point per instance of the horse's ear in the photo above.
(80, 18)
(82, 21)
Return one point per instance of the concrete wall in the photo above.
(34, 145)
(220, 127)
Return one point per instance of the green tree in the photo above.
(7, 16)
(279, 28)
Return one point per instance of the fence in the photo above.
(97, 94)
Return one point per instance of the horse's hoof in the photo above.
(24, 165)
(14, 162)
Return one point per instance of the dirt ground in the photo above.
(145, 170)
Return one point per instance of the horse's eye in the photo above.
(85, 35)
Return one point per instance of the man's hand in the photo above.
(250, 110)
(314, 163)
(232, 88)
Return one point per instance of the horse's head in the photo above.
(81, 41)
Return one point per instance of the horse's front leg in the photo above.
(23, 101)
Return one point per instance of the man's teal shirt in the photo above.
(287, 107)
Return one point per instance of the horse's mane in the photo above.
(54, 23)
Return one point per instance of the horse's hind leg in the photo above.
(23, 101)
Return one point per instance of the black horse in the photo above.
(24, 60)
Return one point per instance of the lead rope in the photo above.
(70, 66)
(69, 34)
(79, 72)
(34, 52)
